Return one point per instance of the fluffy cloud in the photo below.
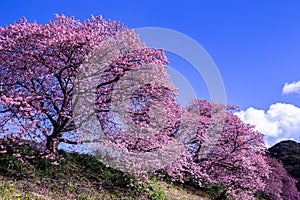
(280, 122)
(289, 88)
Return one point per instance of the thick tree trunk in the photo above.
(52, 145)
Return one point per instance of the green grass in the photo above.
(79, 176)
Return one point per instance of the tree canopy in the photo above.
(45, 71)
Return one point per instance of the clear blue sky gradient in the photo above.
(255, 44)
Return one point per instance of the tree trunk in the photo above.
(52, 145)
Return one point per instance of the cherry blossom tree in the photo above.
(38, 68)
(135, 104)
(279, 184)
(235, 160)
(45, 69)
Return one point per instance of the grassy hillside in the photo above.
(83, 177)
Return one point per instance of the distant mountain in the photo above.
(289, 153)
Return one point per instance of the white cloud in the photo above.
(280, 122)
(289, 88)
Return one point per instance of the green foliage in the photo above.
(79, 176)
(156, 193)
(260, 196)
(148, 184)
(9, 192)
(9, 163)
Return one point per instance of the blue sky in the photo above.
(255, 45)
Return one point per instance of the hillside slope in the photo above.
(289, 153)
(80, 176)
